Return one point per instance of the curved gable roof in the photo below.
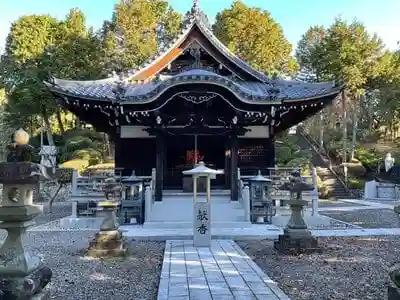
(194, 20)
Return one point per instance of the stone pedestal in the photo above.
(201, 223)
(109, 242)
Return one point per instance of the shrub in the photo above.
(79, 164)
(354, 183)
(356, 169)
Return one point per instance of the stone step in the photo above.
(180, 193)
(189, 225)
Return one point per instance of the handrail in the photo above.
(309, 139)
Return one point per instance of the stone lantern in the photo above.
(109, 241)
(22, 275)
(201, 206)
(296, 237)
(131, 210)
(134, 188)
(260, 197)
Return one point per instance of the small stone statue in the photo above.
(20, 150)
(389, 162)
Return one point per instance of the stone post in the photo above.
(314, 193)
(22, 275)
(202, 223)
(148, 201)
(246, 203)
(201, 206)
(74, 212)
(74, 182)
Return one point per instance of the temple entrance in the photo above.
(184, 151)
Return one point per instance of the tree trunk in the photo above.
(60, 122)
(344, 112)
(321, 131)
(78, 123)
(354, 135)
(49, 134)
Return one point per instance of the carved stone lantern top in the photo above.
(296, 184)
(260, 178)
(112, 189)
(132, 179)
(202, 170)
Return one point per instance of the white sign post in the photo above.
(202, 206)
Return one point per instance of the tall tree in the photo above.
(37, 46)
(255, 36)
(308, 51)
(347, 53)
(137, 29)
(25, 66)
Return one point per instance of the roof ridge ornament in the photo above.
(195, 7)
(196, 15)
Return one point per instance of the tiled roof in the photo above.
(196, 17)
(114, 90)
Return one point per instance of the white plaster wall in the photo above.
(129, 132)
(257, 132)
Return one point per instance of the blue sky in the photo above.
(295, 16)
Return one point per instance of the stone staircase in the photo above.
(176, 211)
(330, 179)
(325, 174)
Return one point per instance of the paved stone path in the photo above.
(223, 272)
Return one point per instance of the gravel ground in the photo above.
(336, 203)
(78, 278)
(368, 218)
(333, 224)
(347, 269)
(59, 210)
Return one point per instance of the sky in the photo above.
(295, 16)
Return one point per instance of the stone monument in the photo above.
(22, 275)
(48, 156)
(202, 206)
(296, 238)
(109, 242)
(389, 162)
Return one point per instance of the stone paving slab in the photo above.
(257, 232)
(222, 271)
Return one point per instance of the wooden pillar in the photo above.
(234, 168)
(159, 166)
(271, 154)
(227, 169)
